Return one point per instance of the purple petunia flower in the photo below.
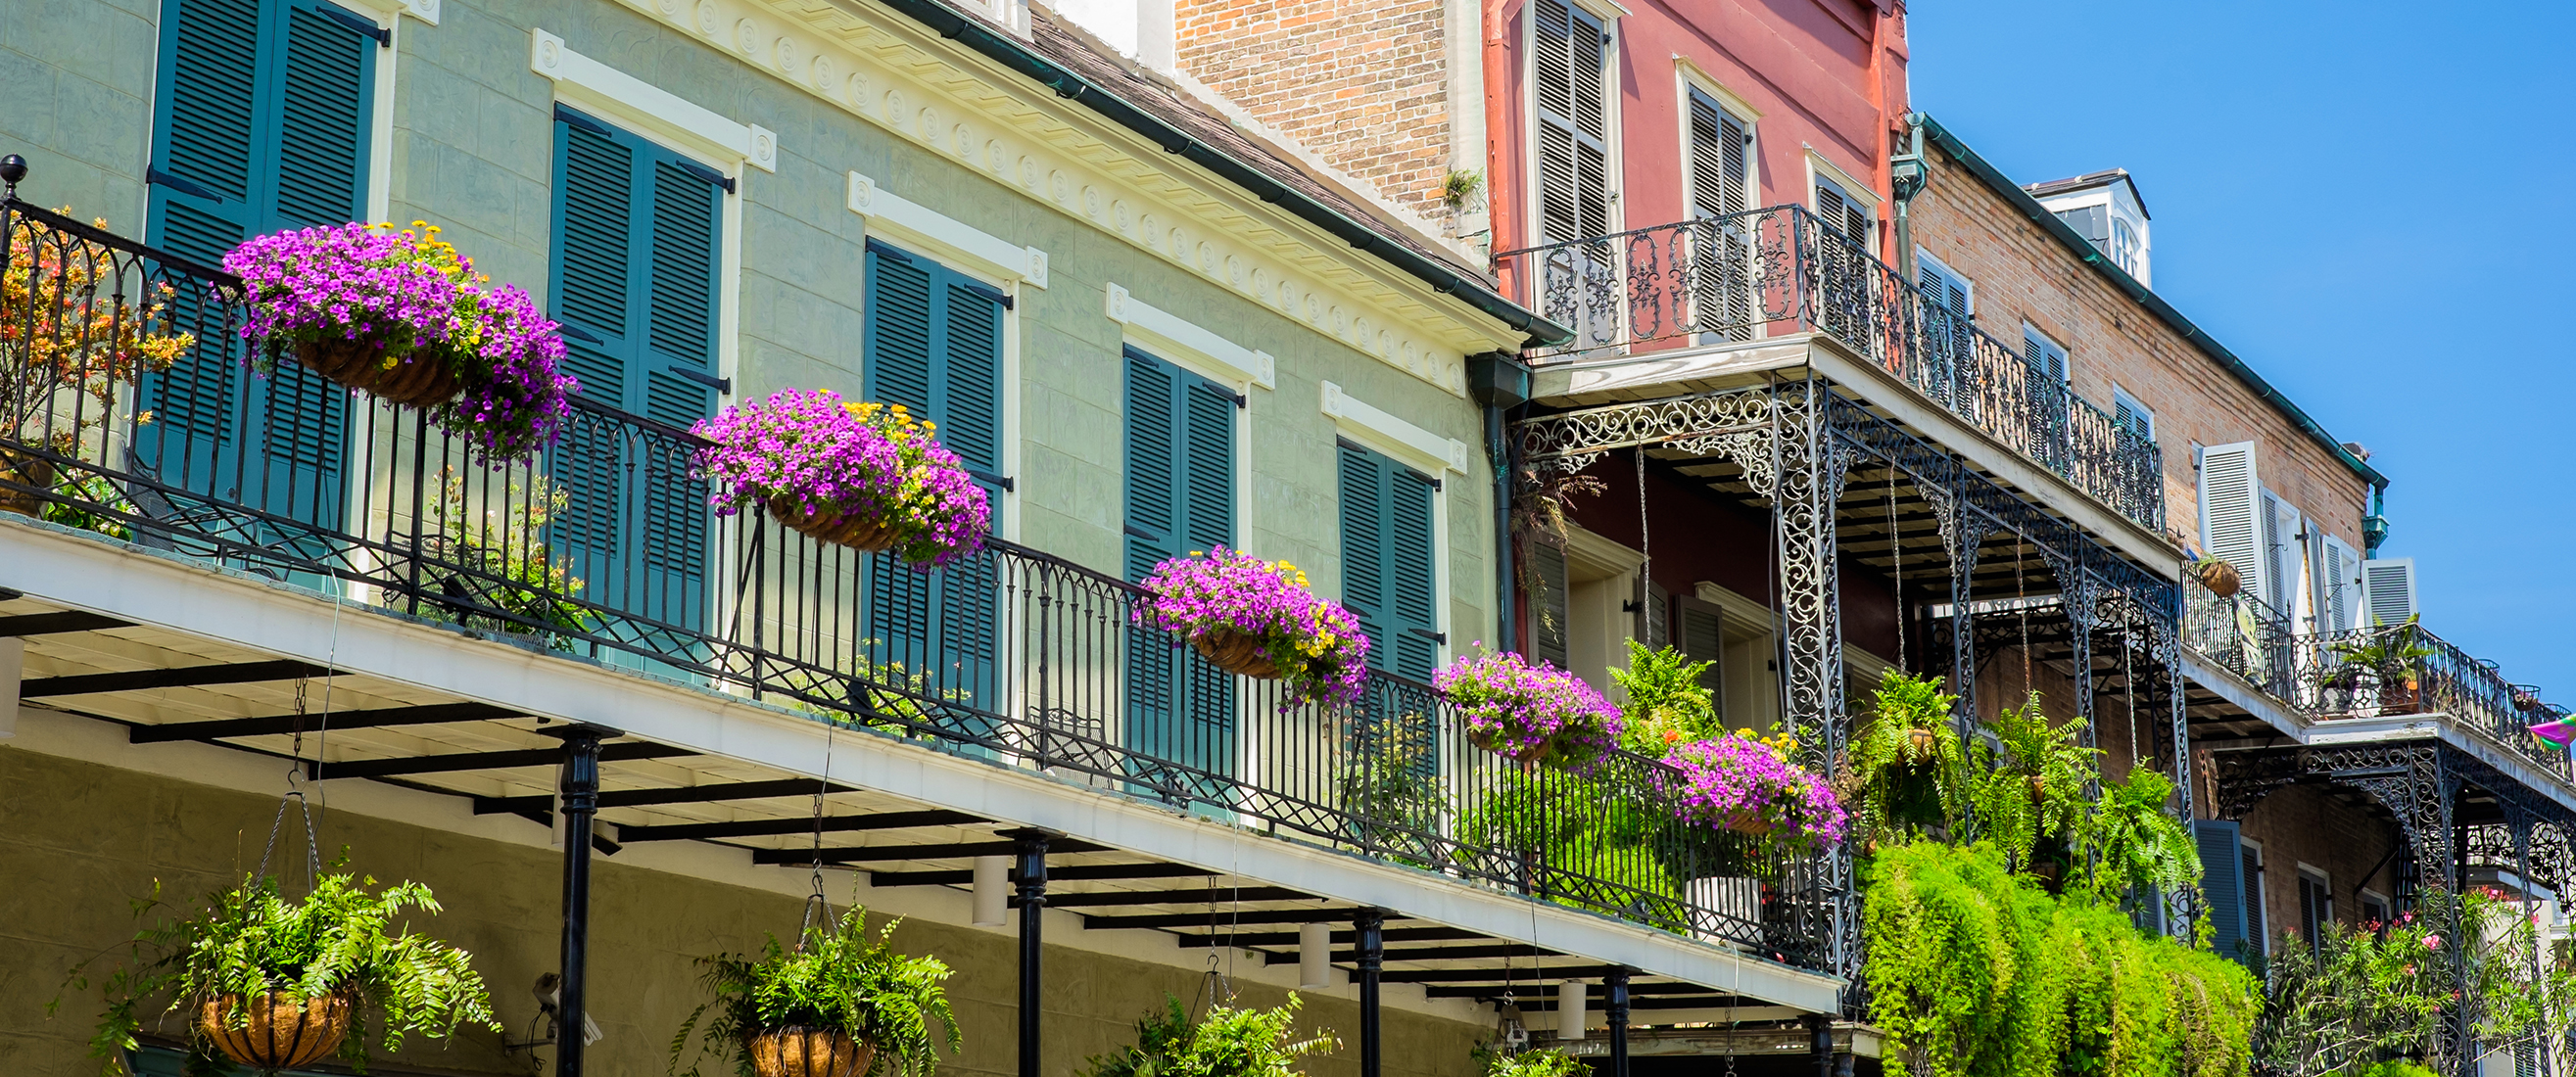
(816, 452)
(1526, 711)
(1736, 782)
(1316, 644)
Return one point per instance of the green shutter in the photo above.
(1388, 571)
(933, 343)
(264, 116)
(1180, 434)
(636, 261)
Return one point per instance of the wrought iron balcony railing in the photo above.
(1783, 270)
(605, 549)
(2381, 671)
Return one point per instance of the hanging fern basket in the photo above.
(425, 379)
(809, 1052)
(280, 1031)
(2219, 576)
(1236, 653)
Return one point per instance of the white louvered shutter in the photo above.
(2388, 589)
(2280, 574)
(1720, 148)
(2230, 498)
(2341, 578)
(1570, 61)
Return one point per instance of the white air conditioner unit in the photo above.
(2388, 590)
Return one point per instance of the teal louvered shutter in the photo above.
(1388, 570)
(2222, 881)
(636, 259)
(264, 115)
(1180, 438)
(933, 344)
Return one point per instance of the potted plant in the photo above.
(1529, 713)
(2220, 577)
(1905, 770)
(71, 342)
(1535, 1062)
(403, 316)
(1226, 1042)
(841, 1004)
(2378, 672)
(1256, 618)
(1747, 786)
(270, 982)
(1667, 706)
(865, 475)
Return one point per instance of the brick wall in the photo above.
(2022, 274)
(2309, 824)
(1363, 86)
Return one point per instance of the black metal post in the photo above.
(1371, 924)
(580, 792)
(1032, 899)
(1617, 1014)
(1820, 1043)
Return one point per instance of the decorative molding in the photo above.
(1398, 438)
(424, 10)
(649, 109)
(904, 78)
(946, 236)
(1164, 332)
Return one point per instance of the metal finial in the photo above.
(12, 169)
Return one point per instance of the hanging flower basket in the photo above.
(19, 467)
(1738, 784)
(1528, 713)
(403, 316)
(279, 1030)
(864, 475)
(809, 1052)
(1256, 618)
(2219, 576)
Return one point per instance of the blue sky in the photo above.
(2366, 202)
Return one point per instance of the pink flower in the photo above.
(1734, 779)
(1316, 644)
(2432, 942)
(1527, 711)
(814, 453)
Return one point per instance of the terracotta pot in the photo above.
(1922, 745)
(2038, 788)
(1236, 653)
(1747, 823)
(420, 381)
(280, 1033)
(2219, 576)
(858, 532)
(30, 470)
(809, 1052)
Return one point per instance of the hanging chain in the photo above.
(1896, 545)
(2021, 602)
(2129, 690)
(295, 795)
(818, 901)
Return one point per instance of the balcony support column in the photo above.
(579, 790)
(1032, 902)
(1809, 466)
(1616, 1013)
(1371, 929)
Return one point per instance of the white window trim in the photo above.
(1414, 446)
(1819, 167)
(1690, 76)
(963, 246)
(1927, 258)
(650, 110)
(2029, 330)
(424, 10)
(1693, 76)
(1172, 337)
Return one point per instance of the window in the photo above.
(1844, 214)
(1735, 632)
(2374, 911)
(1949, 311)
(2131, 415)
(2047, 358)
(265, 114)
(2316, 905)
(1387, 570)
(637, 231)
(1570, 71)
(1721, 155)
(1180, 500)
(2125, 246)
(934, 345)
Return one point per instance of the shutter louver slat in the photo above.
(2223, 883)
(1409, 574)
(1209, 467)
(898, 333)
(594, 219)
(194, 399)
(323, 135)
(970, 418)
(1548, 609)
(214, 67)
(683, 288)
(2229, 501)
(1363, 548)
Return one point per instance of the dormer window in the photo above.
(2104, 208)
